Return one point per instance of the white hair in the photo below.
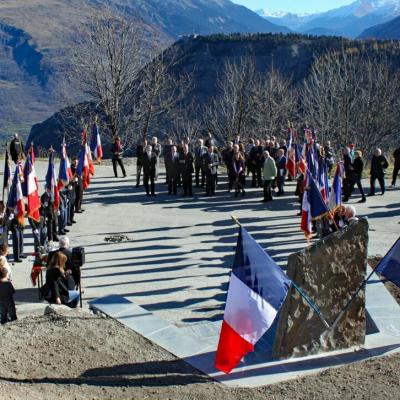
(351, 211)
(64, 242)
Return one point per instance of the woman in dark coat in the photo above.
(238, 170)
(356, 175)
(60, 284)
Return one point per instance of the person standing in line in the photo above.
(140, 151)
(117, 151)
(269, 174)
(16, 149)
(227, 158)
(281, 168)
(200, 150)
(396, 169)
(167, 156)
(210, 163)
(186, 160)
(256, 158)
(172, 167)
(379, 163)
(356, 176)
(149, 170)
(238, 171)
(156, 149)
(78, 187)
(17, 235)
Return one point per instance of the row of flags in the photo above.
(319, 200)
(257, 290)
(22, 189)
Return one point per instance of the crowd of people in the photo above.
(62, 278)
(256, 162)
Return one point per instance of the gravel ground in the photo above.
(81, 356)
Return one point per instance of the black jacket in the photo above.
(358, 167)
(378, 165)
(186, 163)
(172, 165)
(396, 156)
(58, 285)
(210, 163)
(149, 164)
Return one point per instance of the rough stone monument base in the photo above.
(329, 272)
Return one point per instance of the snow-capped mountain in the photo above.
(348, 21)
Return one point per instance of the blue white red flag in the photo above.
(30, 188)
(323, 181)
(65, 172)
(15, 200)
(389, 266)
(82, 169)
(335, 197)
(51, 181)
(95, 143)
(257, 290)
(300, 161)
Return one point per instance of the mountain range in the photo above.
(348, 21)
(388, 30)
(35, 37)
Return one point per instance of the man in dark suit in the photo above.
(149, 170)
(186, 166)
(16, 149)
(172, 167)
(210, 163)
(227, 158)
(281, 169)
(199, 152)
(257, 160)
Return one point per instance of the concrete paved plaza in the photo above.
(177, 258)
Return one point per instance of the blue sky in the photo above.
(295, 6)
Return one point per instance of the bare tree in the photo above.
(274, 102)
(107, 59)
(230, 112)
(351, 97)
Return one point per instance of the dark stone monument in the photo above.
(328, 272)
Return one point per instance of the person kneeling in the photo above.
(59, 283)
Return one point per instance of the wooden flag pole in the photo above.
(301, 293)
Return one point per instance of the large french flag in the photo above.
(65, 172)
(51, 181)
(306, 219)
(90, 159)
(82, 168)
(30, 189)
(335, 198)
(323, 181)
(257, 290)
(95, 143)
(16, 198)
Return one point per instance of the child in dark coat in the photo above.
(7, 305)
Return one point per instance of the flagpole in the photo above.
(346, 307)
(302, 294)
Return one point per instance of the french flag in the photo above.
(306, 220)
(323, 180)
(95, 143)
(257, 290)
(16, 198)
(51, 181)
(30, 189)
(65, 172)
(300, 161)
(90, 159)
(291, 157)
(82, 168)
(335, 198)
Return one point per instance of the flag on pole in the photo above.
(31, 151)
(335, 197)
(7, 174)
(95, 143)
(300, 161)
(51, 181)
(90, 159)
(313, 206)
(291, 156)
(389, 266)
(323, 182)
(65, 172)
(15, 198)
(30, 189)
(257, 290)
(82, 169)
